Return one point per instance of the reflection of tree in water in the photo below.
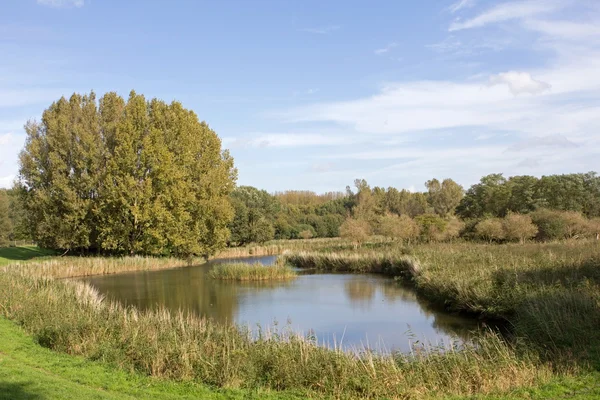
(459, 326)
(393, 291)
(359, 290)
(189, 289)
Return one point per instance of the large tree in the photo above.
(131, 176)
(444, 196)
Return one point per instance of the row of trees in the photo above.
(496, 196)
(442, 212)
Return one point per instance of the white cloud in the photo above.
(564, 29)
(6, 182)
(6, 139)
(519, 82)
(10, 146)
(459, 5)
(509, 11)
(23, 97)
(322, 30)
(385, 49)
(62, 3)
(552, 141)
(410, 109)
(262, 140)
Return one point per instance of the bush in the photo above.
(550, 225)
(518, 227)
(357, 230)
(490, 229)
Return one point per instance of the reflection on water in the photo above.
(355, 309)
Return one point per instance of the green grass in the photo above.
(251, 272)
(29, 371)
(22, 253)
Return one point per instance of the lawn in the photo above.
(22, 253)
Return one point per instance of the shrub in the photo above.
(356, 230)
(518, 227)
(490, 229)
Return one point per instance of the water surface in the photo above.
(355, 310)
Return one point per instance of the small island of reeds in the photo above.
(251, 272)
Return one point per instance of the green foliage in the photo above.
(431, 226)
(444, 196)
(496, 196)
(518, 227)
(402, 228)
(253, 215)
(490, 229)
(6, 226)
(356, 230)
(131, 176)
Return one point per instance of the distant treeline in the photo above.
(496, 208)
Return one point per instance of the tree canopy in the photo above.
(125, 176)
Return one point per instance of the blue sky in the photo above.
(313, 94)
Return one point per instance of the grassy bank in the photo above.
(251, 272)
(550, 293)
(68, 267)
(276, 247)
(30, 371)
(70, 317)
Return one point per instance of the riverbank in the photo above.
(30, 371)
(547, 291)
(70, 317)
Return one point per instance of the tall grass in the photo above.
(251, 272)
(70, 316)
(549, 293)
(68, 267)
(390, 264)
(276, 247)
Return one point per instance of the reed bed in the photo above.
(549, 293)
(390, 264)
(251, 272)
(71, 317)
(277, 247)
(68, 267)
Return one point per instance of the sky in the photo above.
(313, 94)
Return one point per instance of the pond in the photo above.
(348, 309)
